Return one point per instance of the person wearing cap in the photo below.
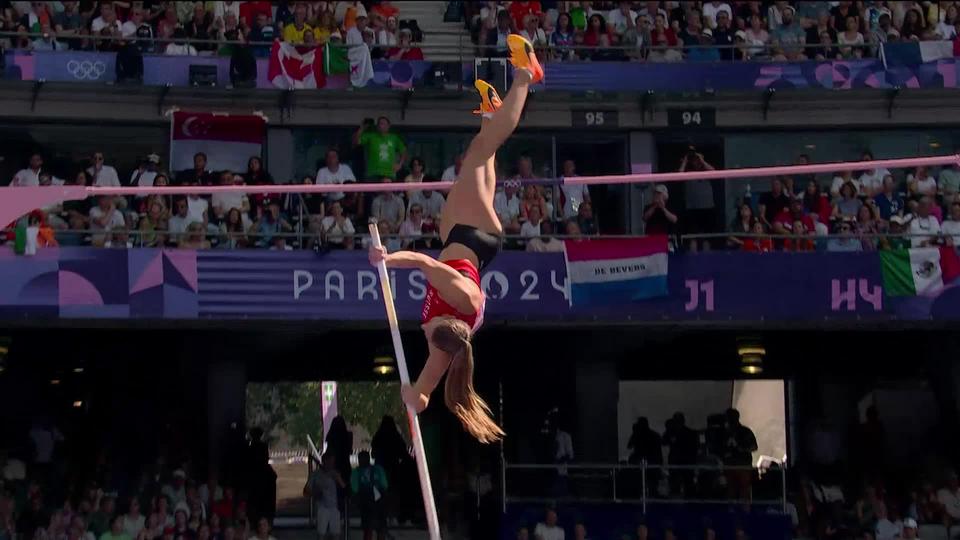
(146, 172)
(405, 51)
(789, 35)
(909, 529)
(657, 216)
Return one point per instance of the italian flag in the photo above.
(921, 271)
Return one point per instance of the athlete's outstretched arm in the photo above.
(456, 290)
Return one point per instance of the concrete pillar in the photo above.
(643, 159)
(226, 403)
(597, 394)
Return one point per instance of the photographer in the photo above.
(701, 216)
(383, 151)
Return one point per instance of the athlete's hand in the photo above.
(377, 254)
(414, 398)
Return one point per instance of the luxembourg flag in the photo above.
(615, 270)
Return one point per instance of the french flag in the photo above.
(616, 270)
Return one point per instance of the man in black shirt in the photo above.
(198, 174)
(772, 203)
(723, 35)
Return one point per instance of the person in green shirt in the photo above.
(368, 482)
(116, 531)
(383, 150)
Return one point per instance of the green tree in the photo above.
(365, 403)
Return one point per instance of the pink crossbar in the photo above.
(17, 201)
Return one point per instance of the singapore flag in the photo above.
(229, 141)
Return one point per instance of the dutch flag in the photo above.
(616, 270)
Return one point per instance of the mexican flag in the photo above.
(921, 271)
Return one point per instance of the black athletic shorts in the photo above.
(483, 244)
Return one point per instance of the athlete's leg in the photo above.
(470, 201)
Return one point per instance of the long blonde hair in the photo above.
(452, 336)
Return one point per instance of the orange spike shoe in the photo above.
(522, 56)
(489, 99)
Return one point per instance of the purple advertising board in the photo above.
(84, 283)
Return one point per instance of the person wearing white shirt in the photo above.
(223, 202)
(621, 18)
(103, 175)
(389, 211)
(221, 9)
(923, 227)
(197, 207)
(336, 228)
(107, 18)
(185, 49)
(545, 243)
(334, 172)
(450, 173)
(531, 227)
(431, 201)
(548, 528)
(886, 529)
(178, 222)
(949, 497)
(31, 175)
(921, 183)
(711, 9)
(573, 195)
(104, 218)
(951, 227)
(842, 178)
(871, 182)
(130, 27)
(506, 203)
(146, 173)
(133, 520)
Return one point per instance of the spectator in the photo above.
(646, 447)
(888, 202)
(293, 32)
(263, 530)
(405, 51)
(885, 528)
(103, 175)
(532, 31)
(519, 10)
(851, 36)
(683, 447)
(586, 220)
(432, 203)
(789, 36)
(913, 27)
(322, 487)
(105, 218)
(261, 31)
(451, 173)
(388, 209)
(924, 227)
(179, 46)
(531, 198)
(949, 183)
(740, 445)
(233, 230)
(384, 151)
(153, 225)
(116, 531)
(757, 38)
(256, 175)
(167, 25)
(199, 26)
(496, 37)
(783, 223)
(176, 491)
(531, 226)
(772, 203)
(548, 528)
(621, 19)
(690, 34)
(31, 175)
(133, 521)
(68, 22)
(871, 182)
(659, 219)
(416, 175)
(869, 225)
(701, 216)
(198, 174)
(951, 227)
(269, 223)
(572, 196)
(224, 202)
(369, 484)
(817, 205)
(909, 528)
(545, 242)
(723, 35)
(336, 229)
(846, 241)
(47, 41)
(506, 203)
(388, 36)
(562, 37)
(146, 171)
(412, 227)
(920, 183)
(129, 28)
(106, 20)
(597, 36)
(741, 224)
(849, 205)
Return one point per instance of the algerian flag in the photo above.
(921, 271)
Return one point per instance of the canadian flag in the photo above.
(296, 67)
(229, 141)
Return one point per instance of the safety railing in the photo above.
(644, 484)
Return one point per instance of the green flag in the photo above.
(335, 60)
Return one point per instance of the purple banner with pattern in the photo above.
(567, 76)
(82, 283)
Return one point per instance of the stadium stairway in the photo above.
(440, 38)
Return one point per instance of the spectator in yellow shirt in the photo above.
(293, 32)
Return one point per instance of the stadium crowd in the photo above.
(711, 30)
(285, 222)
(46, 26)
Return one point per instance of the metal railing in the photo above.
(635, 483)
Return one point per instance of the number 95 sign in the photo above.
(595, 119)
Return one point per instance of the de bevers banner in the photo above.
(81, 283)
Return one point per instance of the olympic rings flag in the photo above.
(74, 66)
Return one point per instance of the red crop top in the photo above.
(434, 306)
